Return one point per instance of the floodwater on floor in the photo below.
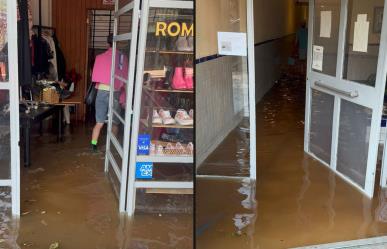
(295, 201)
(67, 199)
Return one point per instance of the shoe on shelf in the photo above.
(178, 80)
(190, 149)
(156, 119)
(182, 44)
(180, 150)
(160, 150)
(169, 149)
(166, 117)
(182, 118)
(152, 149)
(191, 113)
(188, 78)
(191, 43)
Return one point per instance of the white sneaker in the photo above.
(156, 119)
(160, 150)
(152, 149)
(190, 149)
(166, 117)
(182, 118)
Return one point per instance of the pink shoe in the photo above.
(188, 77)
(178, 81)
(191, 113)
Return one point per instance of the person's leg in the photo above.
(101, 108)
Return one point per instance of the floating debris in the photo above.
(36, 171)
(25, 213)
(44, 222)
(54, 245)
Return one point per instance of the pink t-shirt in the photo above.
(103, 65)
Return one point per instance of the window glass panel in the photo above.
(5, 141)
(365, 20)
(354, 133)
(326, 34)
(4, 76)
(321, 125)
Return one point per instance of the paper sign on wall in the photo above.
(326, 24)
(318, 57)
(360, 37)
(232, 43)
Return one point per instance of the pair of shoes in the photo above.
(183, 118)
(183, 78)
(177, 150)
(162, 117)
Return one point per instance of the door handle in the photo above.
(350, 94)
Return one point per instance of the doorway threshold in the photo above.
(372, 243)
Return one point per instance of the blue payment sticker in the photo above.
(144, 170)
(143, 144)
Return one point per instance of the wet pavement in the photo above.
(67, 199)
(295, 202)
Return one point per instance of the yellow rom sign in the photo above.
(174, 29)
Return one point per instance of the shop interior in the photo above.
(295, 200)
(67, 195)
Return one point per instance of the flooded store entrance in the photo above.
(298, 199)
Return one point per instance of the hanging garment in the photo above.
(24, 54)
(42, 56)
(53, 67)
(60, 59)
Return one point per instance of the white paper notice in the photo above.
(326, 24)
(360, 37)
(318, 57)
(232, 43)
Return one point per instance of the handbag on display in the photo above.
(91, 94)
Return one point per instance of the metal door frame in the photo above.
(13, 88)
(132, 186)
(337, 83)
(123, 150)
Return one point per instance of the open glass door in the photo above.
(126, 21)
(345, 88)
(9, 109)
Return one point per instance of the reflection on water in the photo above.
(67, 199)
(232, 157)
(8, 225)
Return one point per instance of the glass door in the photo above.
(345, 88)
(126, 21)
(161, 156)
(9, 109)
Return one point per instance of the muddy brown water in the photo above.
(295, 202)
(66, 198)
